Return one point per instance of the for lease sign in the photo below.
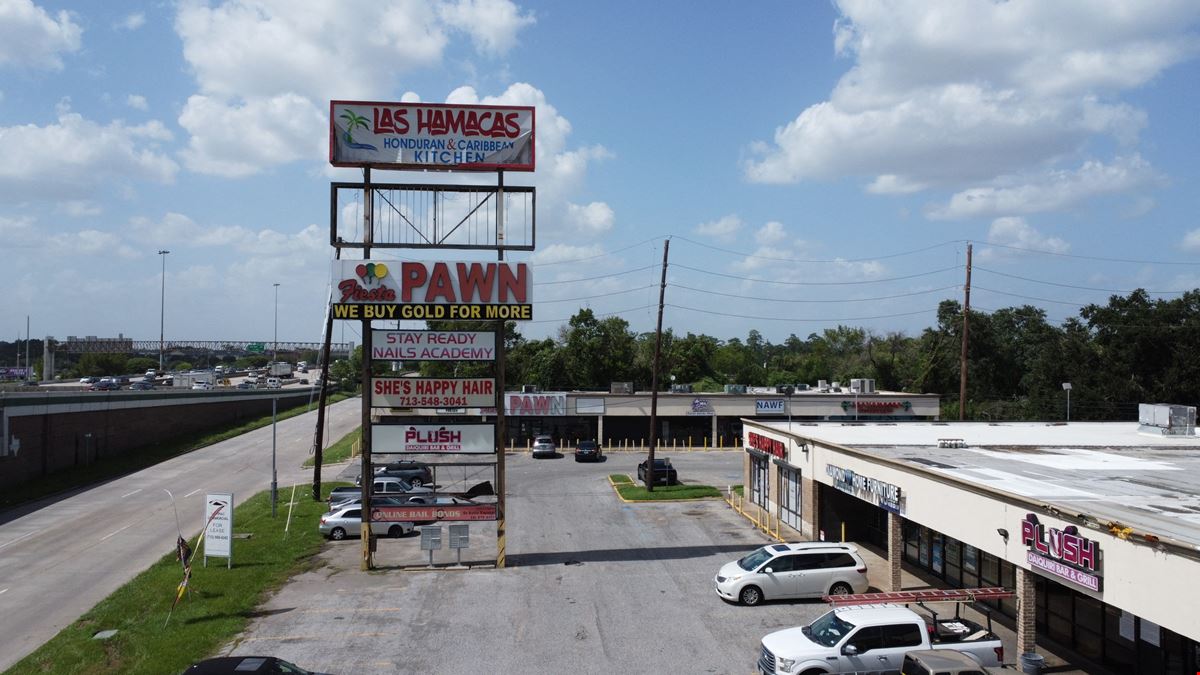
(445, 438)
(433, 345)
(218, 525)
(459, 290)
(427, 136)
(432, 392)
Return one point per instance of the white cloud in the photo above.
(79, 208)
(1054, 190)
(1017, 233)
(723, 229)
(266, 69)
(245, 139)
(131, 22)
(1191, 241)
(772, 233)
(492, 24)
(590, 219)
(953, 92)
(75, 155)
(136, 101)
(31, 37)
(558, 253)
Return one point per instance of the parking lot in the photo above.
(593, 585)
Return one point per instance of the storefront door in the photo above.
(789, 497)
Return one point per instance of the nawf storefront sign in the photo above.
(535, 404)
(465, 439)
(470, 291)
(1063, 553)
(424, 136)
(432, 392)
(769, 406)
(433, 345)
(885, 495)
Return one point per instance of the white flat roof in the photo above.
(1107, 470)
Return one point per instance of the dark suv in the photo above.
(664, 473)
(416, 473)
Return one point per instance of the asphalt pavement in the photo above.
(592, 585)
(61, 555)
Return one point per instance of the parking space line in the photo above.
(312, 637)
(131, 493)
(117, 532)
(191, 493)
(3, 591)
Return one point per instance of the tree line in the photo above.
(1134, 349)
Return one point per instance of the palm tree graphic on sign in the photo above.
(354, 121)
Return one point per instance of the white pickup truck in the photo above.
(871, 639)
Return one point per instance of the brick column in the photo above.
(895, 551)
(1026, 613)
(811, 504)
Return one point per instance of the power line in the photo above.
(839, 300)
(819, 283)
(602, 276)
(594, 257)
(815, 261)
(600, 295)
(1029, 297)
(605, 315)
(784, 318)
(1087, 257)
(1078, 288)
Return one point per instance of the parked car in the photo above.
(241, 665)
(871, 638)
(380, 486)
(805, 570)
(588, 451)
(141, 386)
(543, 446)
(664, 473)
(416, 473)
(345, 521)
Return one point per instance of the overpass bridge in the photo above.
(124, 345)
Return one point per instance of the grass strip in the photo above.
(338, 452)
(635, 492)
(740, 490)
(135, 460)
(221, 603)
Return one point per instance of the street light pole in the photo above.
(275, 348)
(1067, 388)
(162, 308)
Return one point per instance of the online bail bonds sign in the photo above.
(471, 291)
(424, 136)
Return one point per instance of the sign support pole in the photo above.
(501, 428)
(368, 476)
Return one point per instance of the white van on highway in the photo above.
(274, 383)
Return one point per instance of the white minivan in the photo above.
(274, 383)
(805, 570)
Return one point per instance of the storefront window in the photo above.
(912, 536)
(923, 556)
(953, 568)
(936, 560)
(758, 480)
(1089, 627)
(970, 566)
(989, 574)
(1119, 634)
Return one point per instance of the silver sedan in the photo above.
(346, 521)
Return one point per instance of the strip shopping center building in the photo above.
(1095, 525)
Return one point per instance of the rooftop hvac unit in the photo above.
(681, 389)
(735, 389)
(951, 443)
(1167, 419)
(529, 389)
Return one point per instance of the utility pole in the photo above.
(275, 348)
(323, 396)
(162, 309)
(662, 290)
(28, 364)
(962, 384)
(501, 420)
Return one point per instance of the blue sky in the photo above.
(814, 164)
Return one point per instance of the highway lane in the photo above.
(59, 558)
